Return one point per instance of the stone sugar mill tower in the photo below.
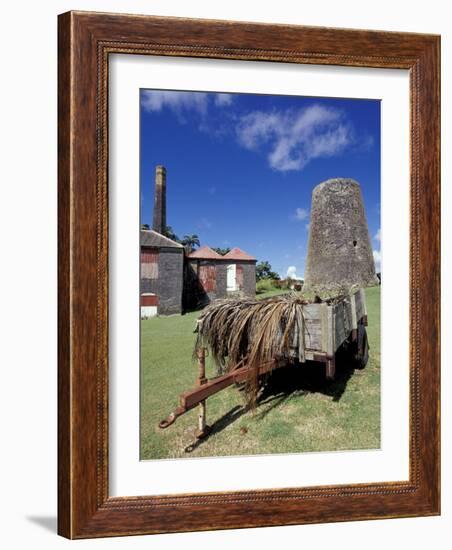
(339, 250)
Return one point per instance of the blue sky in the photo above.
(241, 167)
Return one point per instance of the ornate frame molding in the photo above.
(85, 42)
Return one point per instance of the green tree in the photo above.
(170, 234)
(190, 242)
(221, 251)
(145, 226)
(264, 271)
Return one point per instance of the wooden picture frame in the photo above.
(86, 40)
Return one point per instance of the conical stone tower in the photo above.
(339, 250)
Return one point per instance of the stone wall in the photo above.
(170, 281)
(339, 248)
(195, 296)
(168, 285)
(249, 279)
(221, 280)
(179, 288)
(149, 285)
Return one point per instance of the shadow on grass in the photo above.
(287, 383)
(218, 426)
(300, 380)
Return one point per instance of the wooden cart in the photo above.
(325, 328)
(328, 327)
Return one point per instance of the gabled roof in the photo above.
(205, 253)
(149, 237)
(237, 254)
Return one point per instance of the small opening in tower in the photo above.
(354, 243)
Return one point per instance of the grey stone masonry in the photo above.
(149, 285)
(249, 278)
(221, 291)
(339, 248)
(170, 281)
(168, 286)
(194, 294)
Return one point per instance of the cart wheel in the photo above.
(362, 348)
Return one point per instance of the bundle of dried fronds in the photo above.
(251, 332)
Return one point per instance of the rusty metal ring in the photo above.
(167, 422)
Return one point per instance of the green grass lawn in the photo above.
(298, 410)
(273, 292)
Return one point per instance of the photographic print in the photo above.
(260, 274)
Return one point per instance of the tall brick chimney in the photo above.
(159, 219)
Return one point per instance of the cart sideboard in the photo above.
(326, 327)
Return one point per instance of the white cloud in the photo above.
(180, 101)
(223, 100)
(301, 214)
(257, 127)
(366, 143)
(204, 223)
(291, 272)
(377, 259)
(294, 138)
(377, 235)
(156, 100)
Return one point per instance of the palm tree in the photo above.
(168, 232)
(221, 251)
(190, 242)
